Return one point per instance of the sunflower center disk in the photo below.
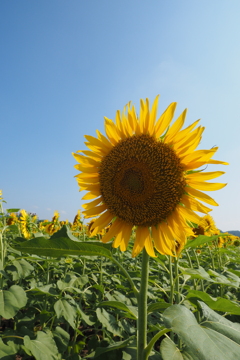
(141, 180)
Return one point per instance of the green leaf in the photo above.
(58, 247)
(63, 308)
(6, 351)
(220, 324)
(108, 321)
(12, 210)
(203, 342)
(201, 239)
(11, 301)
(64, 232)
(219, 304)
(169, 350)
(44, 290)
(199, 273)
(24, 268)
(221, 279)
(43, 348)
(121, 306)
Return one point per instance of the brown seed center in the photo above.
(141, 180)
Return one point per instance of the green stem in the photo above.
(176, 280)
(171, 280)
(101, 272)
(75, 334)
(142, 309)
(198, 264)
(212, 259)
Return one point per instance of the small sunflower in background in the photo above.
(206, 226)
(25, 224)
(54, 225)
(12, 219)
(145, 174)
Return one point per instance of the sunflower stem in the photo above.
(142, 309)
(171, 280)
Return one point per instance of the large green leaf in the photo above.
(58, 247)
(11, 301)
(219, 304)
(220, 324)
(203, 342)
(43, 348)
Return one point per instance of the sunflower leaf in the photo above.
(202, 342)
(60, 247)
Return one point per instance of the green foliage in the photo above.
(68, 297)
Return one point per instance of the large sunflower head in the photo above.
(146, 174)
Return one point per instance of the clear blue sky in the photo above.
(66, 64)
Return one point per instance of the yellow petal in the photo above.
(123, 235)
(112, 131)
(96, 210)
(101, 222)
(86, 169)
(149, 246)
(205, 186)
(177, 125)
(201, 196)
(90, 195)
(189, 214)
(204, 175)
(164, 120)
(97, 143)
(92, 203)
(86, 160)
(113, 231)
(141, 234)
(153, 115)
(199, 155)
(194, 205)
(89, 187)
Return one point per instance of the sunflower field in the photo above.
(137, 275)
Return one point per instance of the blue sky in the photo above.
(66, 64)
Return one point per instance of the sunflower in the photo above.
(25, 224)
(54, 225)
(12, 219)
(144, 174)
(206, 226)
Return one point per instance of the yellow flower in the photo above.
(25, 224)
(54, 226)
(12, 219)
(206, 226)
(1, 195)
(144, 174)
